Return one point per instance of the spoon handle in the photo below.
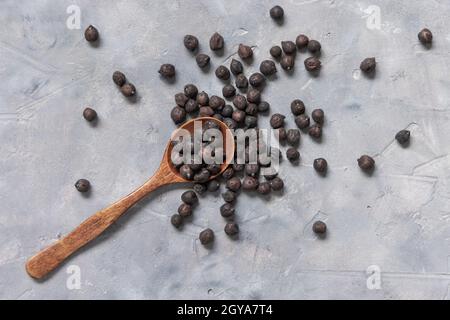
(50, 258)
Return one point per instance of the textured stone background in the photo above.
(399, 219)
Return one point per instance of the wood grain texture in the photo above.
(51, 257)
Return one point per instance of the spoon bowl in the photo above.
(190, 127)
(51, 257)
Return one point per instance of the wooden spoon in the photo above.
(50, 258)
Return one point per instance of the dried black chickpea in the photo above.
(281, 134)
(241, 81)
(199, 188)
(236, 67)
(268, 68)
(167, 70)
(245, 52)
(203, 98)
(302, 41)
(206, 237)
(275, 52)
(181, 99)
(292, 154)
(202, 60)
(319, 228)
(302, 121)
(186, 172)
(218, 116)
(366, 163)
(206, 111)
(251, 121)
(128, 90)
(314, 46)
(287, 62)
(213, 186)
(297, 107)
(119, 78)
(238, 116)
(227, 111)
(213, 168)
(368, 65)
(276, 13)
(257, 80)
(222, 73)
(252, 169)
(178, 115)
(425, 37)
(403, 137)
(91, 34)
(229, 196)
(89, 114)
(228, 91)
(230, 123)
(231, 229)
(312, 64)
(191, 91)
(293, 137)
(83, 185)
(176, 220)
(253, 96)
(216, 103)
(263, 106)
(277, 121)
(202, 176)
(216, 42)
(320, 165)
(315, 131)
(190, 42)
(227, 210)
(252, 109)
(288, 47)
(249, 183)
(318, 115)
(189, 197)
(240, 102)
(234, 184)
(196, 166)
(228, 173)
(185, 210)
(264, 188)
(277, 184)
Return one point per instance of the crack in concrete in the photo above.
(8, 116)
(30, 105)
(38, 65)
(429, 162)
(234, 54)
(315, 218)
(256, 218)
(392, 141)
(23, 293)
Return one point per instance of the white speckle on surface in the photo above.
(356, 74)
(239, 32)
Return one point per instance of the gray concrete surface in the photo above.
(398, 220)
